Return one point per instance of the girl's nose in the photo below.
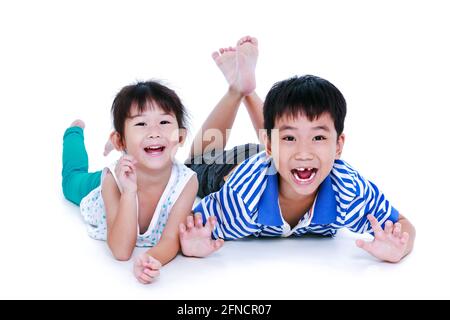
(153, 133)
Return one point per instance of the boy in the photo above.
(298, 185)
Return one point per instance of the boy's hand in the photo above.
(196, 239)
(146, 268)
(389, 244)
(126, 173)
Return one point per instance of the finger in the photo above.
(145, 278)
(127, 168)
(190, 222)
(397, 230)
(365, 245)
(182, 230)
(126, 162)
(153, 263)
(198, 221)
(388, 227)
(405, 238)
(127, 157)
(375, 225)
(151, 273)
(218, 244)
(212, 222)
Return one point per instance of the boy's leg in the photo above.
(214, 167)
(76, 181)
(254, 105)
(238, 66)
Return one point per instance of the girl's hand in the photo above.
(126, 173)
(389, 244)
(146, 268)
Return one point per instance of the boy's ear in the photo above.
(116, 141)
(267, 143)
(340, 145)
(182, 136)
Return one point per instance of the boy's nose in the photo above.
(304, 153)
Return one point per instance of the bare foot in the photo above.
(238, 64)
(226, 61)
(247, 56)
(78, 123)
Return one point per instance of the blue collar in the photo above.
(269, 213)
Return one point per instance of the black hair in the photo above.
(307, 95)
(142, 94)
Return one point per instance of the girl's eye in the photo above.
(140, 124)
(289, 138)
(164, 122)
(319, 138)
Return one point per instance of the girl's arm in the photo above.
(121, 219)
(169, 244)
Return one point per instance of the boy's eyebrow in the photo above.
(286, 127)
(324, 127)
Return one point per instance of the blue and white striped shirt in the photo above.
(247, 204)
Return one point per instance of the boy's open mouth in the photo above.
(304, 175)
(154, 150)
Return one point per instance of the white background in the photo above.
(62, 60)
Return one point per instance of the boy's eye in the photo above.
(164, 122)
(289, 138)
(140, 124)
(319, 138)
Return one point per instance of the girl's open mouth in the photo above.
(154, 150)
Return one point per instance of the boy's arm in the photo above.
(169, 244)
(121, 219)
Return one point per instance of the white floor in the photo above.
(52, 257)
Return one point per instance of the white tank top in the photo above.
(93, 209)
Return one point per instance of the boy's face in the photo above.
(152, 137)
(304, 151)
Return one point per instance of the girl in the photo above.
(142, 199)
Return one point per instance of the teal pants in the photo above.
(77, 182)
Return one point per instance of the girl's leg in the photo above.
(77, 182)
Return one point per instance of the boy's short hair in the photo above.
(144, 94)
(306, 95)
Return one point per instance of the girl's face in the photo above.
(152, 137)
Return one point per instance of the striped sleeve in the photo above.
(369, 200)
(234, 220)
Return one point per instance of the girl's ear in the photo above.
(340, 145)
(182, 136)
(116, 141)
